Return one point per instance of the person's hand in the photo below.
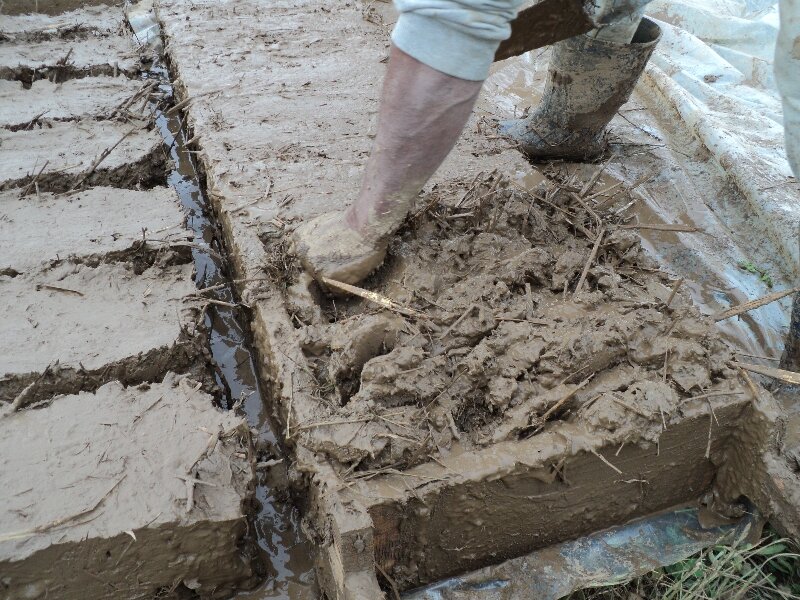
(328, 246)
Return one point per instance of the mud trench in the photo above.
(287, 566)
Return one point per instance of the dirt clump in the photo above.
(537, 307)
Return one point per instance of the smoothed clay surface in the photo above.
(30, 26)
(95, 97)
(79, 324)
(58, 156)
(62, 59)
(97, 489)
(94, 225)
(40, 8)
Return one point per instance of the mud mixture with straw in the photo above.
(499, 311)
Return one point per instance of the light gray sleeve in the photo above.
(457, 37)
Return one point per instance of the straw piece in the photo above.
(780, 374)
(753, 304)
(373, 297)
(664, 227)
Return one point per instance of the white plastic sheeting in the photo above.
(142, 19)
(715, 66)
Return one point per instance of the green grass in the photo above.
(769, 570)
(763, 275)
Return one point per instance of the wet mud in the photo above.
(104, 510)
(476, 508)
(712, 282)
(529, 308)
(95, 226)
(677, 181)
(31, 63)
(75, 22)
(71, 327)
(53, 157)
(393, 419)
(109, 308)
(279, 552)
(81, 43)
(99, 98)
(51, 7)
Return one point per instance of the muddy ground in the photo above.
(51, 7)
(281, 107)
(520, 314)
(125, 477)
(114, 490)
(509, 316)
(677, 180)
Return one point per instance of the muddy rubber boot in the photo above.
(587, 82)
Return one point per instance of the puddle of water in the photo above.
(287, 556)
(512, 86)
